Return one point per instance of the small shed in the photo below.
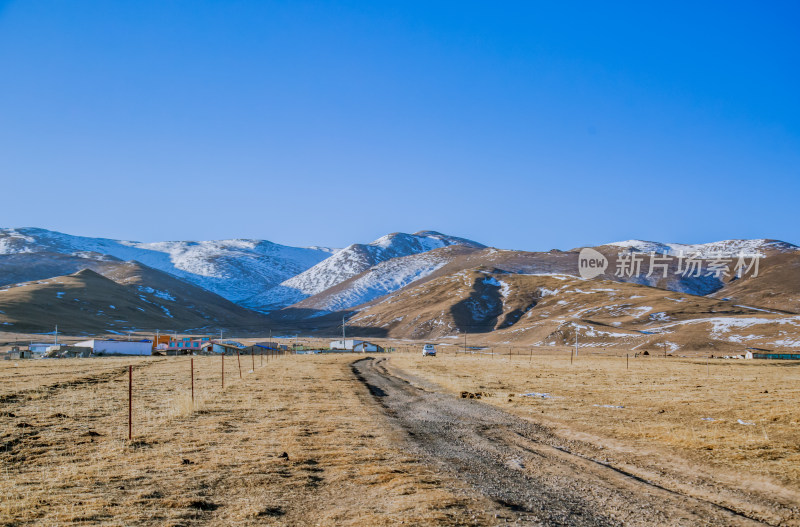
(367, 347)
(40, 347)
(226, 346)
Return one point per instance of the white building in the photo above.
(360, 346)
(117, 347)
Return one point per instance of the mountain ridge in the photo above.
(318, 282)
(128, 296)
(350, 262)
(234, 269)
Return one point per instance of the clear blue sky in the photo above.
(524, 125)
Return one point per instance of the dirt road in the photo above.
(534, 476)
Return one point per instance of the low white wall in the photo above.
(118, 347)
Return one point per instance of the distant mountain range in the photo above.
(419, 285)
(354, 260)
(233, 269)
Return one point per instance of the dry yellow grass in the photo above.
(65, 457)
(669, 403)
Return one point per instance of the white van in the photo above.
(428, 349)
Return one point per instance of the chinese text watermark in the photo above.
(592, 263)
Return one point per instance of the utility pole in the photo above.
(576, 341)
(56, 342)
(344, 344)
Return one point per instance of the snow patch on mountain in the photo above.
(724, 248)
(352, 261)
(164, 295)
(383, 279)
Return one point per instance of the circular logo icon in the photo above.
(591, 263)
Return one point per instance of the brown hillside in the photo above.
(777, 285)
(86, 302)
(549, 309)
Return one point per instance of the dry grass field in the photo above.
(652, 405)
(298, 441)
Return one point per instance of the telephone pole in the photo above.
(576, 340)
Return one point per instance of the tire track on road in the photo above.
(522, 467)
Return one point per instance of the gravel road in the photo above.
(534, 477)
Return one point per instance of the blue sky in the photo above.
(523, 125)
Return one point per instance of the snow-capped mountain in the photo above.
(234, 269)
(314, 281)
(382, 279)
(356, 259)
(724, 248)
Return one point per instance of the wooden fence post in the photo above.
(130, 402)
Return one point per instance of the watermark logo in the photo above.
(630, 264)
(591, 263)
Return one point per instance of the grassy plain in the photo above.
(297, 441)
(740, 416)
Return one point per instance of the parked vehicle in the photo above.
(428, 350)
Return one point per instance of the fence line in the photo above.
(274, 353)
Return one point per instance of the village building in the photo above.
(272, 346)
(185, 344)
(40, 347)
(117, 347)
(224, 346)
(775, 356)
(358, 346)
